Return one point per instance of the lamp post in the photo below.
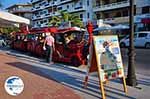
(131, 77)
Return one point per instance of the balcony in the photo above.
(36, 17)
(79, 8)
(38, 8)
(117, 20)
(54, 14)
(21, 10)
(34, 1)
(64, 1)
(48, 14)
(51, 4)
(112, 6)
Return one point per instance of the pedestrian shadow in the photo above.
(70, 79)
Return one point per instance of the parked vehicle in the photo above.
(141, 39)
(70, 44)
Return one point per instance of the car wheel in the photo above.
(147, 45)
(122, 45)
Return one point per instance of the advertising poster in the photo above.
(108, 57)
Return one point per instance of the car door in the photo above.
(140, 40)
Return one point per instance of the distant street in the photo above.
(142, 60)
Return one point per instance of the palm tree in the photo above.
(55, 21)
(66, 17)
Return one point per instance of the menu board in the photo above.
(108, 56)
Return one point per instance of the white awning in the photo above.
(11, 19)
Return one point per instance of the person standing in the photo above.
(49, 46)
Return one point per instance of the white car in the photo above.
(141, 39)
(2, 42)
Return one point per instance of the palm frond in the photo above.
(66, 17)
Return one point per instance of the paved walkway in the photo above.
(37, 84)
(73, 78)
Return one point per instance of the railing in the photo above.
(64, 1)
(79, 8)
(112, 5)
(21, 9)
(117, 19)
(34, 1)
(36, 17)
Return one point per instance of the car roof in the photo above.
(143, 32)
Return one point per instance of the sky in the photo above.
(7, 3)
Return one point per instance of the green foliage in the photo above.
(9, 30)
(66, 17)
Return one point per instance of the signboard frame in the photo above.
(101, 45)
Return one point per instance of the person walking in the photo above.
(49, 47)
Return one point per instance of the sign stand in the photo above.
(95, 65)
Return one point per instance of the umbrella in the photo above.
(102, 28)
(119, 27)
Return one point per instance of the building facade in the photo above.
(110, 11)
(117, 12)
(43, 10)
(23, 10)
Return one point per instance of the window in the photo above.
(80, 3)
(45, 21)
(106, 15)
(44, 12)
(41, 12)
(88, 15)
(59, 8)
(118, 14)
(88, 2)
(81, 16)
(125, 13)
(146, 10)
(106, 2)
(67, 6)
(55, 9)
(98, 16)
(41, 22)
(142, 35)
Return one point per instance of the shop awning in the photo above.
(146, 21)
(7, 19)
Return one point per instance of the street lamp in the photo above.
(131, 77)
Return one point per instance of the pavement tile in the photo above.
(36, 86)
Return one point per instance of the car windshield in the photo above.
(127, 37)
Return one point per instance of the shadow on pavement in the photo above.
(143, 82)
(70, 80)
(29, 68)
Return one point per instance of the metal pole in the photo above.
(131, 77)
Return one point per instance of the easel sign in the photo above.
(105, 58)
